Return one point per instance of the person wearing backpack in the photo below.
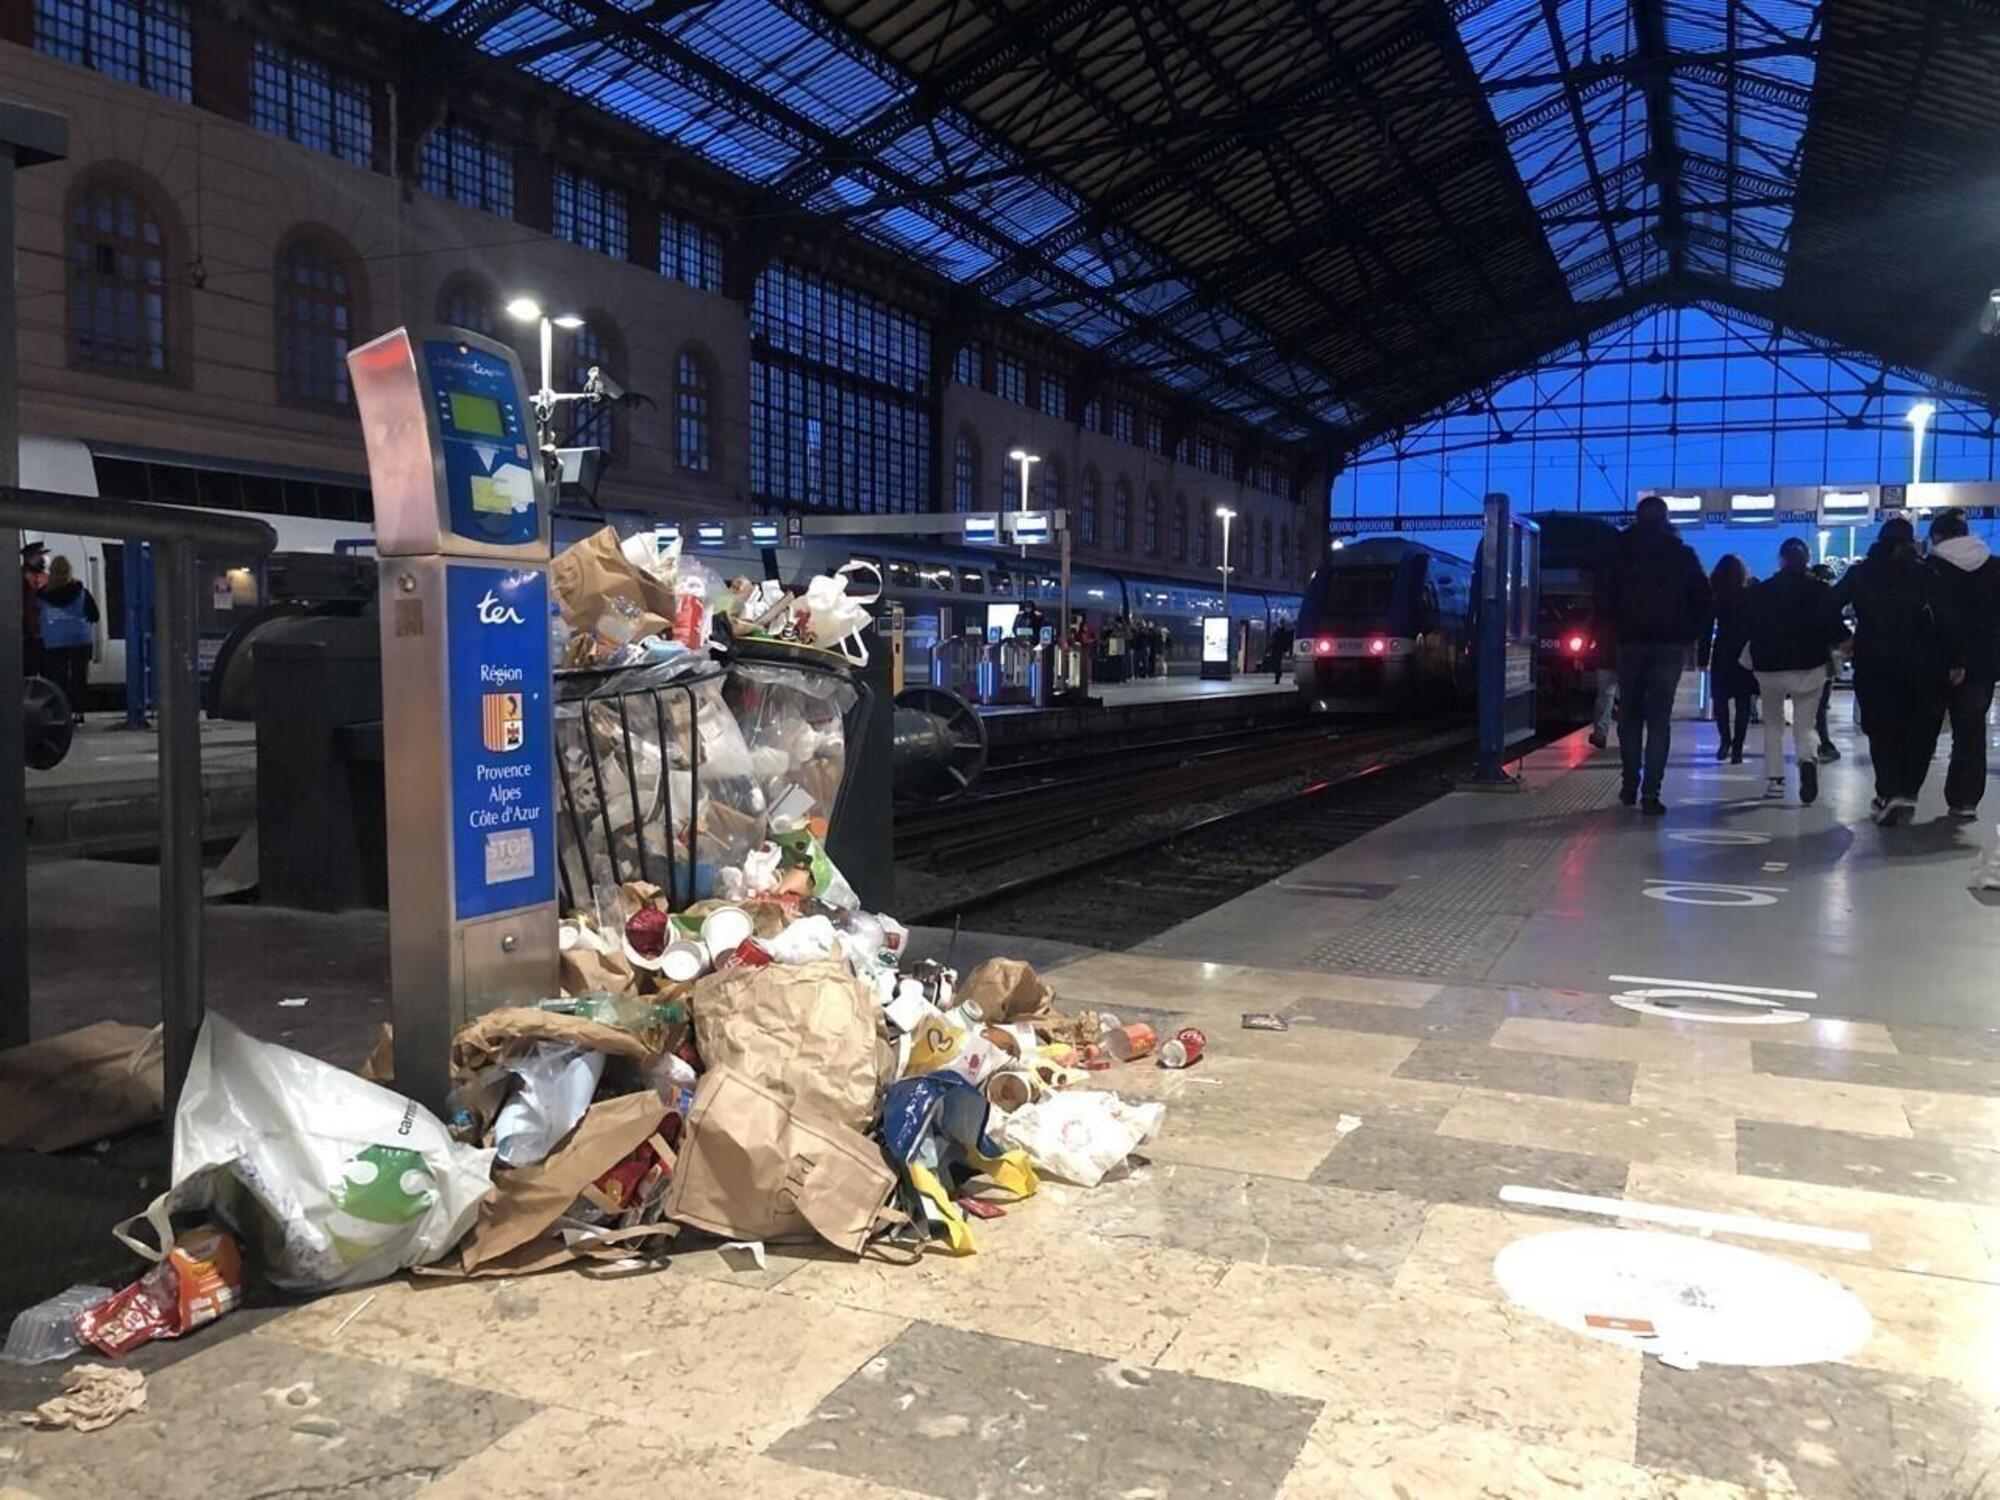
(69, 629)
(1907, 658)
(1969, 575)
(1658, 601)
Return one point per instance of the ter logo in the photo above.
(493, 612)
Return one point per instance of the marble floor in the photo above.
(1293, 1293)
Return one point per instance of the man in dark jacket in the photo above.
(1658, 601)
(1907, 658)
(1969, 575)
(1791, 625)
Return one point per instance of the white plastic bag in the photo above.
(836, 619)
(557, 1083)
(331, 1180)
(1081, 1134)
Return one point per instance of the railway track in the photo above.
(1093, 793)
(1159, 856)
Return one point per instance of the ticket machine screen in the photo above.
(487, 444)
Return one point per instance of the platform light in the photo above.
(524, 309)
(764, 533)
(711, 533)
(1919, 418)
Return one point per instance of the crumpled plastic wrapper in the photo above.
(93, 1396)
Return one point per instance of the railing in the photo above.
(178, 536)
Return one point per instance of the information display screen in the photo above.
(1214, 638)
(480, 414)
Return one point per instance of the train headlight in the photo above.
(1378, 647)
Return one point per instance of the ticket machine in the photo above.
(462, 505)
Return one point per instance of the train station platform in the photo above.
(104, 796)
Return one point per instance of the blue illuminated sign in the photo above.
(489, 478)
(764, 533)
(502, 739)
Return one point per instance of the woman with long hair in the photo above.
(1731, 685)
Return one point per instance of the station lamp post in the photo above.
(1026, 462)
(1225, 515)
(528, 310)
(1919, 417)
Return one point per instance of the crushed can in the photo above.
(1184, 1048)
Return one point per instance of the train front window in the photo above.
(971, 581)
(902, 575)
(1355, 594)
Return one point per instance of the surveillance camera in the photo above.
(602, 386)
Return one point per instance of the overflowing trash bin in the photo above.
(737, 1047)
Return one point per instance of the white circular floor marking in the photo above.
(1711, 893)
(1690, 1301)
(1727, 836)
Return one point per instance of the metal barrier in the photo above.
(177, 537)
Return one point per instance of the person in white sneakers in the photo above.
(1791, 622)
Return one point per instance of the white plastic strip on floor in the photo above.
(1733, 989)
(1687, 1218)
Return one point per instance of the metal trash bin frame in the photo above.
(642, 693)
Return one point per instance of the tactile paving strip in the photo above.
(1432, 942)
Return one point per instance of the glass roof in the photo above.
(1562, 83)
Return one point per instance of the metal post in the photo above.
(1489, 662)
(177, 620)
(138, 569)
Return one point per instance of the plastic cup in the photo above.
(685, 960)
(725, 928)
(1135, 1039)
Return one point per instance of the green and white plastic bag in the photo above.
(330, 1180)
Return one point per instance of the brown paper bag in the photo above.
(808, 1032)
(594, 578)
(754, 1168)
(512, 1030)
(1003, 990)
(511, 1234)
(585, 971)
(80, 1086)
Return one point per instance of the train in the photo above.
(1573, 641)
(1385, 625)
(945, 591)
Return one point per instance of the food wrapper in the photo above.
(200, 1280)
(603, 593)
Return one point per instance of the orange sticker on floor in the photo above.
(1640, 1326)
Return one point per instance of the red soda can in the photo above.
(1184, 1048)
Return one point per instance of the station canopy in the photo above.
(1330, 217)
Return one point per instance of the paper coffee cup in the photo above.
(684, 960)
(724, 929)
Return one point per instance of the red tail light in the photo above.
(1377, 646)
(1323, 646)
(1576, 645)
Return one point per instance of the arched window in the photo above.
(1052, 484)
(694, 426)
(1150, 530)
(594, 344)
(1086, 512)
(964, 472)
(1265, 554)
(466, 301)
(118, 258)
(1201, 547)
(1179, 542)
(316, 297)
(1121, 517)
(1284, 551)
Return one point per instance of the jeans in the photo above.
(1801, 689)
(1965, 782)
(1607, 701)
(1648, 677)
(68, 667)
(1902, 710)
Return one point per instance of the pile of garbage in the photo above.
(750, 1056)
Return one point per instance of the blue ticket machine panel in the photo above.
(462, 534)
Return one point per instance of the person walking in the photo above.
(1906, 661)
(1281, 647)
(69, 628)
(1790, 624)
(1657, 600)
(34, 576)
(1828, 751)
(1969, 575)
(1730, 685)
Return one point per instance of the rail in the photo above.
(179, 535)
